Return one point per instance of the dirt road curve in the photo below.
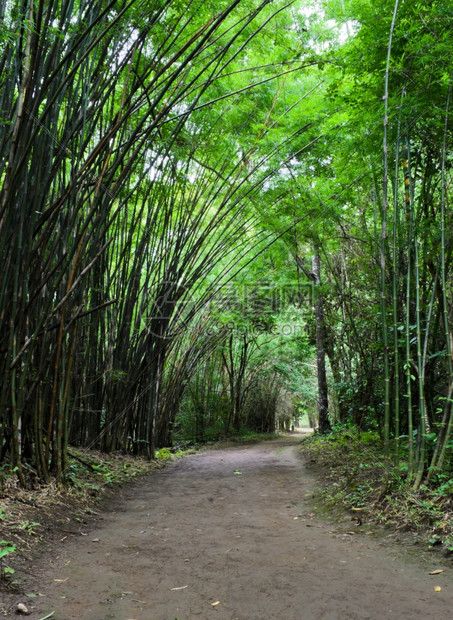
(215, 536)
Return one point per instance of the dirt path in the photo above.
(198, 540)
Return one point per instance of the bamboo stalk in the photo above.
(384, 243)
(446, 427)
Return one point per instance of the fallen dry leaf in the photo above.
(438, 571)
(437, 588)
(215, 604)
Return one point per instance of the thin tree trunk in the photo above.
(323, 400)
(447, 418)
(384, 244)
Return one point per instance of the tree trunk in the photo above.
(323, 402)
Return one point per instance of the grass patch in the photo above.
(244, 437)
(253, 437)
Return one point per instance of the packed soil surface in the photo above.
(231, 534)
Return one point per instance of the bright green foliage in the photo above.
(6, 549)
(168, 171)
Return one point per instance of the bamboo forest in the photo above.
(220, 216)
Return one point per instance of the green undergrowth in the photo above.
(356, 477)
(250, 437)
(243, 436)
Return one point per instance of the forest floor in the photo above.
(230, 534)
